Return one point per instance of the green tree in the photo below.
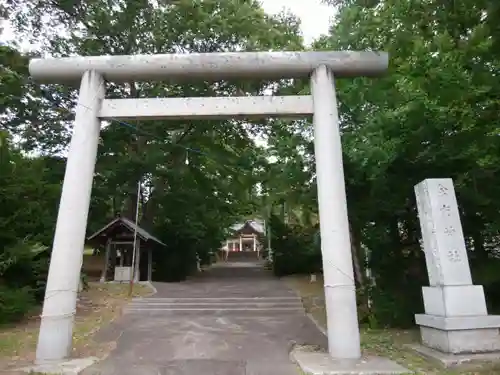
(189, 204)
(431, 116)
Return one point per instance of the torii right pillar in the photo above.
(456, 321)
(345, 356)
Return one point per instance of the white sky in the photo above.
(314, 15)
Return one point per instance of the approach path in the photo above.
(233, 319)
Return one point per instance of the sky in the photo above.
(314, 15)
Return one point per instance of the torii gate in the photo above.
(55, 337)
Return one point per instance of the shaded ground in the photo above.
(387, 343)
(233, 319)
(96, 307)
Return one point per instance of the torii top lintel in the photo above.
(209, 66)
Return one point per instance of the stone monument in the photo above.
(456, 321)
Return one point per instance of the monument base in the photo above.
(448, 360)
(454, 300)
(320, 363)
(460, 335)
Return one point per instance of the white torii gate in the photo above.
(55, 337)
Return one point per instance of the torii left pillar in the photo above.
(56, 327)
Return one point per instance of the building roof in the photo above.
(256, 225)
(130, 225)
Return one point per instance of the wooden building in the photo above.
(116, 239)
(244, 241)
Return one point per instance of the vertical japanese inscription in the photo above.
(443, 190)
(454, 256)
(445, 243)
(446, 219)
(445, 210)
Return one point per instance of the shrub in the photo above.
(15, 303)
(295, 250)
(23, 273)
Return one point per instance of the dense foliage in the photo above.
(295, 249)
(29, 191)
(433, 115)
(197, 178)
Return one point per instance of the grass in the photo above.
(97, 306)
(387, 343)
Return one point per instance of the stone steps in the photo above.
(240, 306)
(217, 301)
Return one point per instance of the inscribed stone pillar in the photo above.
(442, 235)
(456, 319)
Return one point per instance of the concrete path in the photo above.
(234, 319)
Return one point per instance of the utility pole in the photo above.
(132, 274)
(268, 233)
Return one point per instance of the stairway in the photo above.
(224, 289)
(242, 256)
(216, 306)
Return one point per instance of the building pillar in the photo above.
(106, 261)
(112, 258)
(137, 270)
(56, 326)
(150, 264)
(241, 243)
(340, 293)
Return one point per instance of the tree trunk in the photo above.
(362, 292)
(356, 254)
(478, 240)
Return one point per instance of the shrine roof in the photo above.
(107, 230)
(256, 225)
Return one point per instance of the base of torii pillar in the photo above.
(321, 363)
(70, 366)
